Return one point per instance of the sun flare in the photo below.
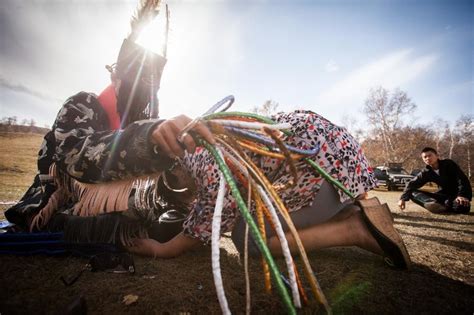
(153, 36)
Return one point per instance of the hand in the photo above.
(462, 201)
(166, 136)
(401, 204)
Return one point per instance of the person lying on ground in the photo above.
(455, 193)
(100, 174)
(323, 216)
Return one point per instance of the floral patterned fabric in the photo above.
(340, 155)
(83, 146)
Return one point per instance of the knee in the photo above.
(461, 209)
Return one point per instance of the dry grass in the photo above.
(441, 280)
(18, 155)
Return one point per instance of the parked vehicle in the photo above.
(393, 176)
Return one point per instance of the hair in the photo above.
(429, 149)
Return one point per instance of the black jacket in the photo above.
(451, 179)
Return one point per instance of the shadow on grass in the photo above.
(354, 281)
(416, 217)
(468, 246)
(357, 282)
(435, 227)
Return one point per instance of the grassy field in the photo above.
(18, 157)
(441, 280)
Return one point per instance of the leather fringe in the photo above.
(110, 228)
(56, 200)
(96, 199)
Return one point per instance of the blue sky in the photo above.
(318, 55)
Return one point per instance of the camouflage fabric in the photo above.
(83, 147)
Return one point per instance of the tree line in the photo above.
(390, 136)
(12, 124)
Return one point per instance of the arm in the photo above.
(414, 184)
(175, 247)
(89, 151)
(464, 186)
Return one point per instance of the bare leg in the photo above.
(347, 228)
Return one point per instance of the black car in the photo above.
(392, 177)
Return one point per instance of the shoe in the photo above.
(435, 207)
(379, 221)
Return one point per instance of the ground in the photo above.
(354, 281)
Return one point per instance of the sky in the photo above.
(323, 56)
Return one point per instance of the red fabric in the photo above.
(108, 100)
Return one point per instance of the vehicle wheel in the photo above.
(389, 187)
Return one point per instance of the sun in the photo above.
(153, 37)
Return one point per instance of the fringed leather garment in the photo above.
(118, 209)
(102, 180)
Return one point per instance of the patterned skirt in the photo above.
(340, 156)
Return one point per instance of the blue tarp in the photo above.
(48, 244)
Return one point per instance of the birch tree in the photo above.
(465, 129)
(266, 109)
(385, 112)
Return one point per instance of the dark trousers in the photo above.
(422, 197)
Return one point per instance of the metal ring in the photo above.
(187, 128)
(181, 137)
(167, 185)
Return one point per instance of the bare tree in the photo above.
(352, 125)
(385, 112)
(465, 129)
(439, 128)
(450, 134)
(12, 120)
(408, 141)
(266, 109)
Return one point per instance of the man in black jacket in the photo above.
(455, 194)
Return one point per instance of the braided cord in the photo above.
(260, 194)
(243, 177)
(267, 120)
(284, 212)
(259, 204)
(252, 225)
(316, 289)
(284, 246)
(328, 177)
(215, 252)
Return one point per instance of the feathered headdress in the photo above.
(139, 68)
(146, 11)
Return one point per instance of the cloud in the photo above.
(332, 66)
(26, 90)
(390, 71)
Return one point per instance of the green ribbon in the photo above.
(252, 226)
(267, 120)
